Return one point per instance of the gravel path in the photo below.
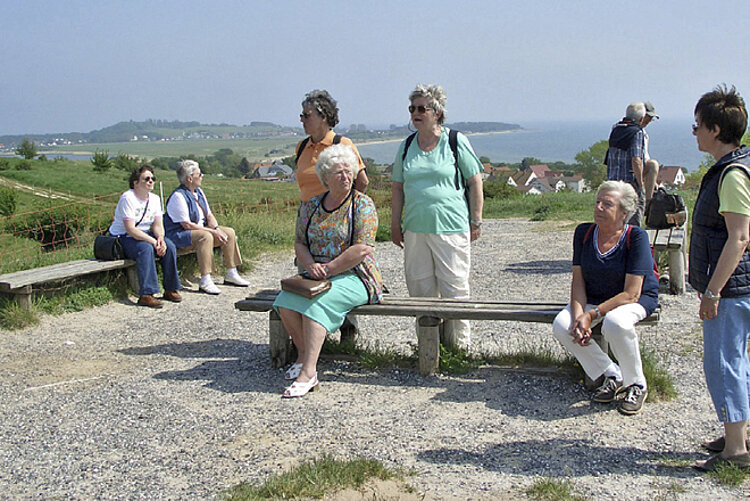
(120, 402)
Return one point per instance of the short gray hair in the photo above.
(334, 155)
(435, 96)
(186, 168)
(635, 111)
(628, 196)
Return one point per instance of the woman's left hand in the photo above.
(160, 247)
(581, 330)
(708, 308)
(316, 271)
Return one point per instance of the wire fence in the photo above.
(62, 232)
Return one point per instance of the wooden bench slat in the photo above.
(70, 269)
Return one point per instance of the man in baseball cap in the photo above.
(650, 166)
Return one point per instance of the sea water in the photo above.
(671, 143)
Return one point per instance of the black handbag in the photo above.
(665, 210)
(108, 248)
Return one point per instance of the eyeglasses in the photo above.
(305, 115)
(420, 108)
(200, 174)
(149, 179)
(695, 127)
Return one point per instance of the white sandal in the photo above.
(298, 389)
(293, 371)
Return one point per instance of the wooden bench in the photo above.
(672, 241)
(430, 313)
(20, 283)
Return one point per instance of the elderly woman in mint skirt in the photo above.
(334, 240)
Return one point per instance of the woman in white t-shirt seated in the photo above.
(139, 226)
(189, 223)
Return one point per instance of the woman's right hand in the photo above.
(397, 236)
(581, 329)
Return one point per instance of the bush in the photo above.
(8, 201)
(125, 162)
(499, 189)
(4, 164)
(101, 161)
(56, 228)
(23, 165)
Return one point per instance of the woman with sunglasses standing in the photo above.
(320, 114)
(138, 224)
(437, 206)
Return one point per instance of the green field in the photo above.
(254, 149)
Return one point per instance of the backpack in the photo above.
(453, 143)
(662, 209)
(590, 231)
(336, 140)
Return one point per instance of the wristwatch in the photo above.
(710, 295)
(476, 223)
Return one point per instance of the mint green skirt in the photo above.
(330, 308)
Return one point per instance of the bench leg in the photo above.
(280, 344)
(676, 260)
(132, 273)
(428, 343)
(23, 297)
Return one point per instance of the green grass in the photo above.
(729, 475)
(314, 479)
(550, 489)
(660, 384)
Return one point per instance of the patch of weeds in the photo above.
(729, 475)
(77, 300)
(675, 462)
(378, 357)
(660, 384)
(458, 361)
(14, 317)
(549, 489)
(314, 479)
(533, 357)
(672, 492)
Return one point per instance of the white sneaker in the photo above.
(235, 279)
(208, 286)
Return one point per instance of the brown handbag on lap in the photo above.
(304, 286)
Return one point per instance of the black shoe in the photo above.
(632, 403)
(718, 445)
(608, 391)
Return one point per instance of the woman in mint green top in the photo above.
(437, 206)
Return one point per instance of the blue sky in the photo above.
(81, 65)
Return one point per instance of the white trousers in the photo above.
(618, 328)
(438, 266)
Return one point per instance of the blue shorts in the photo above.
(330, 308)
(725, 361)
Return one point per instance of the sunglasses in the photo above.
(149, 179)
(695, 127)
(305, 115)
(420, 108)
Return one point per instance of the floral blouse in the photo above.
(328, 234)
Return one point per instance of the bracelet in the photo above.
(476, 223)
(327, 270)
(598, 312)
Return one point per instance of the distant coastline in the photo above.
(398, 140)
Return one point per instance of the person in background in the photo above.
(334, 240)
(434, 219)
(320, 114)
(138, 224)
(720, 269)
(613, 283)
(191, 224)
(625, 158)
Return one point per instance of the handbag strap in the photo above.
(145, 210)
(352, 215)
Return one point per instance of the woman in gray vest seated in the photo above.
(189, 223)
(720, 269)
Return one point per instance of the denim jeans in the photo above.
(144, 255)
(618, 328)
(725, 361)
